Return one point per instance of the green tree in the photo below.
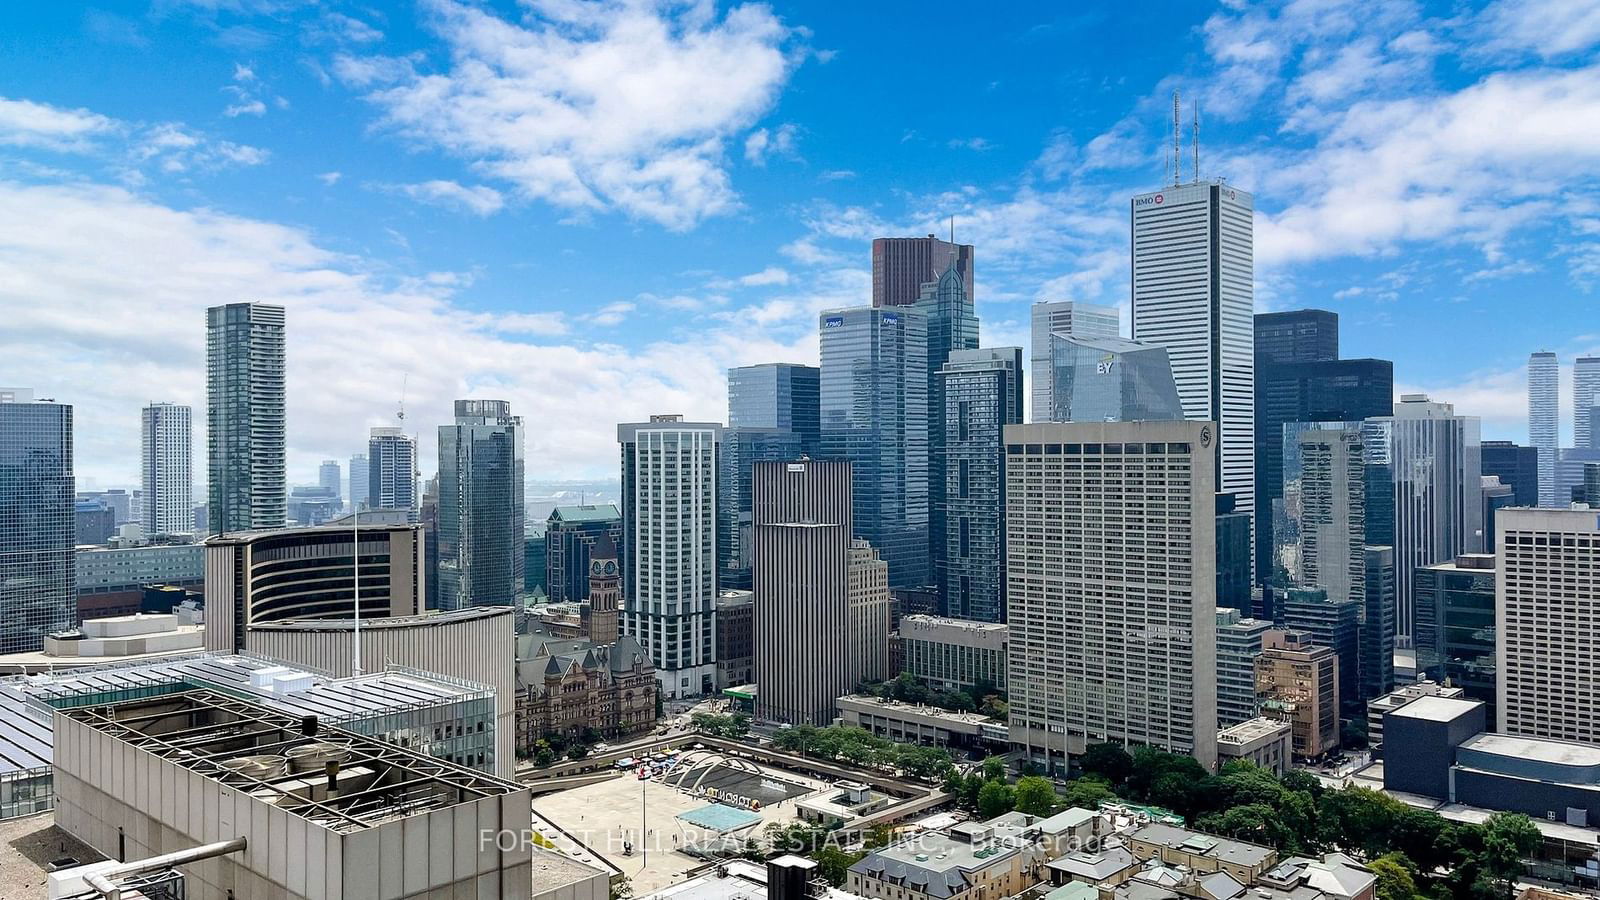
(1035, 795)
(1396, 878)
(1088, 793)
(1109, 761)
(994, 767)
(1424, 837)
(1361, 819)
(834, 864)
(1254, 822)
(995, 798)
(622, 889)
(1508, 839)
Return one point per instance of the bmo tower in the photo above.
(1193, 293)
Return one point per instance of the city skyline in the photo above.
(771, 224)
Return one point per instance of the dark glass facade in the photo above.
(1378, 624)
(533, 563)
(1339, 390)
(480, 506)
(874, 397)
(1103, 379)
(777, 395)
(1233, 555)
(1455, 625)
(952, 327)
(1300, 335)
(982, 391)
(38, 573)
(742, 448)
(1517, 466)
(569, 537)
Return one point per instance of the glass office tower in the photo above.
(776, 395)
(982, 392)
(1108, 379)
(481, 551)
(742, 448)
(38, 575)
(952, 326)
(874, 397)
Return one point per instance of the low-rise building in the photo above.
(1266, 742)
(1201, 853)
(953, 654)
(1333, 877)
(1400, 696)
(971, 861)
(908, 723)
(567, 686)
(312, 811)
(844, 803)
(111, 580)
(448, 718)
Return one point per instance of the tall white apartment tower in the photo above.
(1544, 404)
(166, 468)
(1547, 600)
(1585, 399)
(1061, 317)
(1193, 293)
(392, 471)
(669, 536)
(245, 425)
(1111, 587)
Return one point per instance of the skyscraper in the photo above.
(358, 481)
(1298, 683)
(166, 468)
(774, 413)
(1544, 405)
(38, 575)
(900, 266)
(480, 506)
(952, 326)
(1111, 379)
(1110, 532)
(1546, 605)
(1065, 317)
(245, 402)
(328, 478)
(1434, 457)
(669, 515)
(1298, 381)
(982, 392)
(1516, 466)
(1585, 400)
(1297, 336)
(777, 395)
(1193, 293)
(802, 622)
(1377, 624)
(742, 448)
(392, 471)
(571, 534)
(875, 414)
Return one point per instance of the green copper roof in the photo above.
(594, 512)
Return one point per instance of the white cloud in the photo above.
(763, 143)
(591, 107)
(979, 144)
(836, 175)
(330, 178)
(242, 72)
(769, 275)
(246, 108)
(129, 280)
(24, 123)
(477, 199)
(1549, 28)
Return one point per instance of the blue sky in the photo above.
(592, 209)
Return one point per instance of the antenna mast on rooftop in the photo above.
(1177, 153)
(1196, 141)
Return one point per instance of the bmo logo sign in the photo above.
(1152, 200)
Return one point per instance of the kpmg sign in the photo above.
(891, 319)
(833, 322)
